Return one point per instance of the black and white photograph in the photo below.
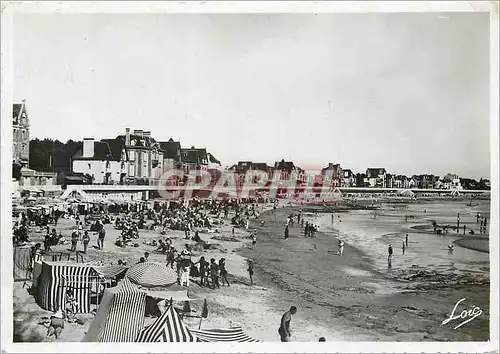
(210, 175)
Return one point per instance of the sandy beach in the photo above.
(353, 297)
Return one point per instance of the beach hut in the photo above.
(167, 328)
(57, 277)
(120, 316)
(151, 275)
(22, 264)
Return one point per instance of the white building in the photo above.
(97, 160)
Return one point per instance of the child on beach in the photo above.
(250, 270)
(341, 247)
(254, 240)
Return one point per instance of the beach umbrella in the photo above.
(152, 275)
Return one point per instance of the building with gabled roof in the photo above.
(376, 177)
(20, 134)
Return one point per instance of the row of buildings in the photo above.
(334, 176)
(137, 158)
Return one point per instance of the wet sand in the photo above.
(355, 296)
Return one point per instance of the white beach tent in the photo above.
(120, 316)
(407, 193)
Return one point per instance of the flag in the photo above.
(204, 312)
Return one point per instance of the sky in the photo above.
(408, 92)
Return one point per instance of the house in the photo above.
(332, 175)
(401, 181)
(145, 156)
(283, 170)
(129, 158)
(376, 177)
(97, 160)
(20, 134)
(389, 180)
(194, 159)
(171, 154)
(452, 181)
(348, 178)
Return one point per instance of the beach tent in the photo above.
(55, 279)
(407, 193)
(167, 328)
(22, 263)
(222, 335)
(120, 316)
(151, 275)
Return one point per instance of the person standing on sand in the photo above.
(458, 222)
(85, 241)
(389, 257)
(406, 240)
(286, 232)
(250, 271)
(254, 240)
(284, 329)
(203, 270)
(171, 257)
(484, 225)
(214, 273)
(404, 247)
(341, 247)
(74, 241)
(223, 271)
(332, 218)
(100, 239)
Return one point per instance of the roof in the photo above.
(374, 172)
(116, 147)
(171, 149)
(148, 140)
(284, 165)
(16, 111)
(212, 159)
(331, 166)
(194, 155)
(102, 151)
(261, 166)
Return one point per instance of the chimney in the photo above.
(127, 136)
(138, 132)
(88, 147)
(146, 133)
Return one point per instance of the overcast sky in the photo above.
(408, 92)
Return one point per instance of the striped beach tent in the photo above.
(222, 335)
(152, 275)
(167, 328)
(120, 316)
(56, 278)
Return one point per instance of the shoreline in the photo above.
(414, 323)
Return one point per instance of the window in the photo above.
(123, 165)
(107, 164)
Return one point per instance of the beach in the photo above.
(353, 297)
